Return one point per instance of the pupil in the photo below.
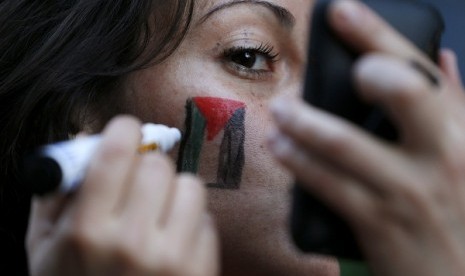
(246, 59)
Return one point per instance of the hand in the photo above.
(405, 201)
(132, 216)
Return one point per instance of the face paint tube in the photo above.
(63, 165)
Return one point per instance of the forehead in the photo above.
(295, 7)
(289, 16)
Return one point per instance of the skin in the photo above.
(208, 117)
(136, 220)
(405, 200)
(252, 220)
(421, 232)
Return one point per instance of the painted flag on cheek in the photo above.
(206, 117)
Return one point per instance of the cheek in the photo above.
(258, 124)
(261, 169)
(223, 138)
(213, 141)
(153, 96)
(224, 142)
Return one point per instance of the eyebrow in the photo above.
(284, 16)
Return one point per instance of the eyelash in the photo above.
(264, 50)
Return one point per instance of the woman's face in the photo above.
(216, 87)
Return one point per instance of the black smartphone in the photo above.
(315, 227)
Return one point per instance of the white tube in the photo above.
(73, 157)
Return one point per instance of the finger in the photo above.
(110, 167)
(187, 209)
(339, 190)
(340, 144)
(205, 252)
(410, 97)
(448, 64)
(358, 25)
(148, 195)
(81, 134)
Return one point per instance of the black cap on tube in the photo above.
(41, 174)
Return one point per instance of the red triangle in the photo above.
(217, 112)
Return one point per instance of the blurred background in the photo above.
(453, 12)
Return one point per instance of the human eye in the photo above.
(251, 62)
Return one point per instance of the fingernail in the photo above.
(349, 12)
(279, 110)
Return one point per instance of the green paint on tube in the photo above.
(192, 142)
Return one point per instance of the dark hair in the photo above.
(62, 63)
(62, 60)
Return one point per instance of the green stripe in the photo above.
(191, 145)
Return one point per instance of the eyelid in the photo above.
(264, 49)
